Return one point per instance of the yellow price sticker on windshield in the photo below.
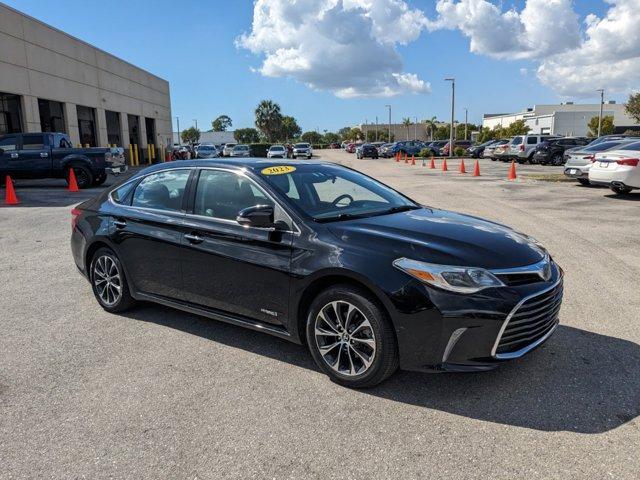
(279, 170)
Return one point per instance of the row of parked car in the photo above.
(408, 147)
(210, 150)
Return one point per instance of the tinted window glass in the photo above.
(532, 140)
(516, 141)
(121, 194)
(631, 146)
(221, 194)
(161, 191)
(32, 142)
(9, 143)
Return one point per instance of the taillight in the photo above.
(522, 147)
(629, 162)
(591, 158)
(75, 213)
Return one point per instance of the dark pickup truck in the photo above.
(51, 155)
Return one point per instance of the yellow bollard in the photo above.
(131, 155)
(153, 152)
(135, 155)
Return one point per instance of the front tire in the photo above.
(584, 181)
(351, 338)
(109, 283)
(620, 190)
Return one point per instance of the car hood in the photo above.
(442, 237)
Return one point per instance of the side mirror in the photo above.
(259, 216)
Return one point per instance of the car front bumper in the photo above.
(117, 169)
(575, 171)
(477, 332)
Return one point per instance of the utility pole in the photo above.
(415, 128)
(389, 107)
(453, 113)
(466, 113)
(195, 120)
(601, 90)
(376, 128)
(179, 138)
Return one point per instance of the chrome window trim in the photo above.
(523, 350)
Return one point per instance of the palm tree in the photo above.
(269, 119)
(406, 122)
(431, 125)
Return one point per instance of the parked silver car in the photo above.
(579, 160)
(302, 150)
(241, 151)
(207, 151)
(277, 151)
(522, 147)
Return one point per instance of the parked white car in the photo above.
(277, 151)
(228, 148)
(619, 169)
(302, 150)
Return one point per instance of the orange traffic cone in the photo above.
(476, 169)
(512, 171)
(413, 160)
(444, 165)
(462, 169)
(10, 197)
(433, 163)
(73, 185)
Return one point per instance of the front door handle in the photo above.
(44, 154)
(193, 238)
(14, 155)
(119, 223)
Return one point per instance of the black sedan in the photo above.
(551, 151)
(367, 150)
(322, 255)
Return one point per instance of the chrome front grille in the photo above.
(529, 323)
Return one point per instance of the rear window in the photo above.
(161, 191)
(532, 140)
(516, 141)
(631, 146)
(121, 194)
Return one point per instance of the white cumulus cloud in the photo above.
(344, 46)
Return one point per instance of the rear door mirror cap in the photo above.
(257, 216)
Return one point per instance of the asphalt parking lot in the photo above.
(158, 393)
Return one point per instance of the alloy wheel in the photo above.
(345, 338)
(107, 280)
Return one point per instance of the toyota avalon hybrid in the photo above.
(322, 255)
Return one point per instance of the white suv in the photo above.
(522, 147)
(302, 150)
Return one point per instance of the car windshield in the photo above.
(276, 148)
(301, 145)
(206, 148)
(241, 147)
(330, 192)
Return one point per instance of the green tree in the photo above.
(431, 124)
(407, 123)
(246, 135)
(633, 106)
(290, 128)
(311, 137)
(607, 126)
(221, 123)
(330, 137)
(269, 119)
(519, 127)
(442, 132)
(344, 132)
(354, 134)
(190, 135)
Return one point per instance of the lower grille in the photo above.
(531, 321)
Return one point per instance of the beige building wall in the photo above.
(38, 61)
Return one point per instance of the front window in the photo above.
(33, 142)
(329, 192)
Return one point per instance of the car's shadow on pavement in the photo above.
(633, 196)
(579, 381)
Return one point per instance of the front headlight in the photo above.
(447, 277)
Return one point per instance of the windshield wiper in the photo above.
(401, 208)
(351, 216)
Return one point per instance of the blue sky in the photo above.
(192, 45)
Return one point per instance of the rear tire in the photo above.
(109, 282)
(351, 338)
(557, 160)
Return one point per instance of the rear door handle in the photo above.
(193, 238)
(44, 154)
(14, 155)
(119, 223)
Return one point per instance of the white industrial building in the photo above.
(210, 137)
(51, 81)
(563, 119)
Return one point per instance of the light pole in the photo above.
(453, 107)
(178, 122)
(389, 107)
(601, 90)
(466, 114)
(195, 120)
(415, 128)
(376, 128)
